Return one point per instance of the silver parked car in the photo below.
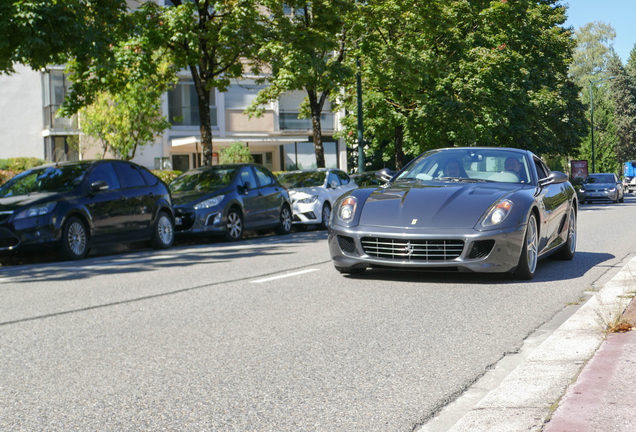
(314, 192)
(458, 209)
(602, 187)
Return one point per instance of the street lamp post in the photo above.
(360, 122)
(592, 115)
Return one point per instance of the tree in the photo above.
(305, 49)
(126, 121)
(594, 49)
(38, 33)
(623, 94)
(491, 73)
(235, 153)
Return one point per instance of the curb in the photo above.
(527, 397)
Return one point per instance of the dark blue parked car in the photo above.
(229, 199)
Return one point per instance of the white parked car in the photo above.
(314, 192)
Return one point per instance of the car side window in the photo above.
(333, 177)
(344, 178)
(106, 173)
(129, 176)
(541, 170)
(149, 177)
(247, 176)
(263, 177)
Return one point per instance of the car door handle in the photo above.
(151, 194)
(123, 197)
(260, 193)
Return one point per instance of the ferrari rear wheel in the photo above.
(530, 251)
(569, 248)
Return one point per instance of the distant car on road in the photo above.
(77, 205)
(229, 199)
(314, 192)
(602, 187)
(458, 209)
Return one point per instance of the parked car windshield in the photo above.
(470, 165)
(602, 178)
(203, 180)
(60, 178)
(294, 180)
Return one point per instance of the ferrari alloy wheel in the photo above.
(163, 232)
(530, 251)
(285, 225)
(234, 225)
(326, 214)
(74, 239)
(569, 248)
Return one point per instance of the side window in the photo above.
(263, 176)
(149, 177)
(344, 178)
(128, 175)
(541, 170)
(247, 177)
(104, 172)
(333, 177)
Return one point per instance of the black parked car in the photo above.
(229, 199)
(76, 205)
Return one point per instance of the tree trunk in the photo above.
(316, 105)
(203, 98)
(399, 152)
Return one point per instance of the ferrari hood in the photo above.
(432, 206)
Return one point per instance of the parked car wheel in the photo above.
(326, 214)
(569, 248)
(163, 232)
(234, 225)
(74, 239)
(285, 225)
(529, 254)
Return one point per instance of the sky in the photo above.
(621, 14)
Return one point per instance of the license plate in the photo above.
(597, 194)
(177, 220)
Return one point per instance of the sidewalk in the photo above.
(579, 379)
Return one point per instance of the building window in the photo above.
(183, 106)
(55, 86)
(241, 95)
(59, 148)
(302, 155)
(289, 109)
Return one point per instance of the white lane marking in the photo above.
(284, 276)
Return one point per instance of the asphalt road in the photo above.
(265, 335)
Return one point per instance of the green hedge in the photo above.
(167, 175)
(13, 166)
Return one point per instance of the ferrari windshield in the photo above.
(295, 180)
(201, 180)
(58, 178)
(469, 165)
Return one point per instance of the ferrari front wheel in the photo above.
(529, 252)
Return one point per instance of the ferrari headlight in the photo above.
(309, 200)
(209, 203)
(347, 209)
(36, 211)
(498, 213)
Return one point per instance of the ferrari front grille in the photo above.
(412, 250)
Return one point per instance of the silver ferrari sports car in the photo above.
(482, 209)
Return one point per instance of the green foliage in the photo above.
(490, 73)
(20, 164)
(622, 91)
(126, 121)
(235, 153)
(594, 49)
(167, 175)
(38, 33)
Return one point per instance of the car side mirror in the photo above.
(334, 184)
(384, 174)
(555, 177)
(99, 186)
(247, 187)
